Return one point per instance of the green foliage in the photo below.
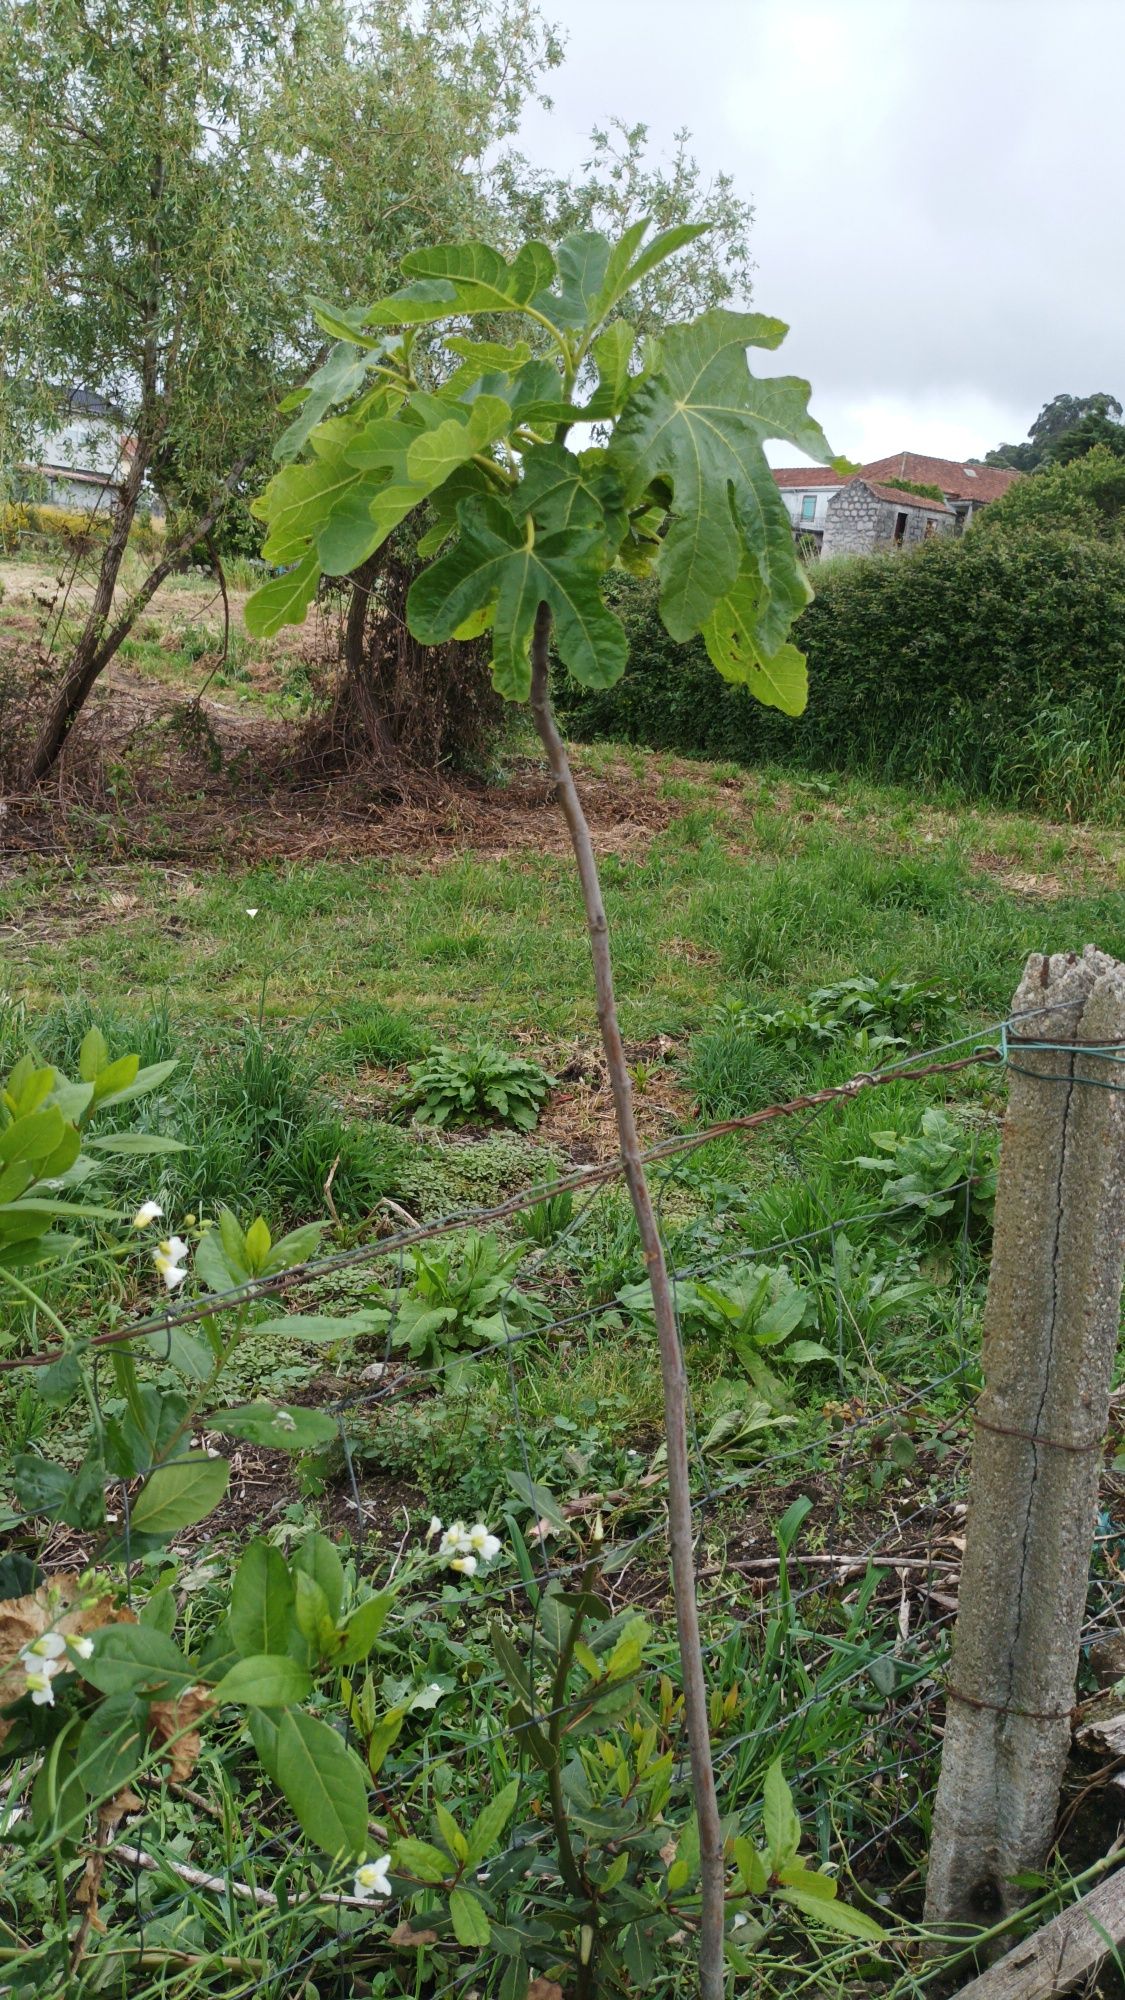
(451, 1087)
(939, 666)
(681, 486)
(752, 1316)
(925, 1170)
(873, 1016)
(915, 486)
(456, 1299)
(1084, 497)
(1065, 427)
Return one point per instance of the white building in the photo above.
(78, 461)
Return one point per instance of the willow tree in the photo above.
(175, 177)
(525, 530)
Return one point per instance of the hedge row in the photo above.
(994, 665)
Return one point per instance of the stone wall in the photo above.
(858, 522)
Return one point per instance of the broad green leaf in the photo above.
(657, 252)
(835, 1916)
(285, 1427)
(318, 1326)
(176, 1495)
(284, 600)
(111, 1744)
(141, 1083)
(541, 1500)
(620, 260)
(129, 1658)
(450, 1832)
(261, 1602)
(470, 1924)
(265, 1680)
(135, 1144)
(782, 1827)
(628, 1652)
(482, 357)
(490, 1823)
(384, 1736)
(583, 260)
(320, 1776)
(336, 381)
(497, 558)
(294, 1248)
(93, 1056)
(780, 679)
(317, 1558)
(612, 352)
(479, 277)
(418, 1858)
(363, 1626)
(115, 1078)
(182, 1351)
(343, 323)
(700, 423)
(256, 1245)
(561, 490)
(34, 1137)
(751, 1866)
(468, 429)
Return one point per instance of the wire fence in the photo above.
(827, 1644)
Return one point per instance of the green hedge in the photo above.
(992, 665)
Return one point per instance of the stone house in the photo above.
(863, 516)
(810, 491)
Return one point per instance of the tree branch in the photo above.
(673, 1372)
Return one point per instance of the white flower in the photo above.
(48, 1646)
(483, 1543)
(41, 1689)
(168, 1257)
(83, 1647)
(434, 1528)
(741, 1918)
(372, 1878)
(146, 1213)
(284, 1422)
(455, 1540)
(466, 1564)
(251, 913)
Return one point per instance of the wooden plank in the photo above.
(1055, 1958)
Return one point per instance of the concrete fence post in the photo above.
(1050, 1333)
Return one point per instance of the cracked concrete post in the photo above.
(1050, 1332)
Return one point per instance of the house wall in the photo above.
(858, 523)
(794, 496)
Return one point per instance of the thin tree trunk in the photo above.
(96, 647)
(680, 1533)
(360, 675)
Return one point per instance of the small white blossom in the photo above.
(372, 1878)
(41, 1689)
(740, 1919)
(168, 1257)
(466, 1564)
(284, 1422)
(252, 913)
(48, 1646)
(83, 1647)
(434, 1528)
(455, 1540)
(483, 1543)
(148, 1212)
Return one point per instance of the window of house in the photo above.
(808, 507)
(900, 530)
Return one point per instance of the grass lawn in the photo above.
(295, 994)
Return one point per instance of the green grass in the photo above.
(294, 1028)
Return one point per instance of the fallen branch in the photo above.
(1055, 1958)
(226, 1885)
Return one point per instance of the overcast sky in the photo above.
(939, 189)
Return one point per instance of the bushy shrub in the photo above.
(944, 666)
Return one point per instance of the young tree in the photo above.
(175, 177)
(525, 530)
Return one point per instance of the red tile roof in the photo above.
(807, 475)
(957, 480)
(899, 498)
